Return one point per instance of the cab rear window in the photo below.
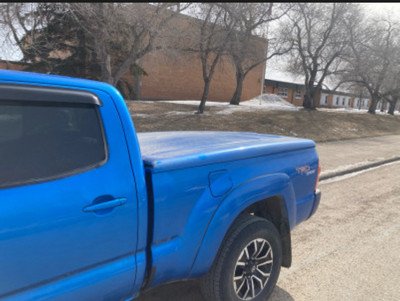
(44, 141)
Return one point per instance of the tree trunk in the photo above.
(309, 99)
(101, 49)
(138, 87)
(204, 96)
(307, 102)
(309, 96)
(83, 67)
(106, 69)
(138, 81)
(104, 61)
(360, 100)
(238, 92)
(392, 106)
(374, 103)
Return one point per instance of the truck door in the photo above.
(68, 205)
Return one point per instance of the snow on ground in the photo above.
(343, 110)
(267, 102)
(141, 115)
(263, 102)
(270, 102)
(353, 110)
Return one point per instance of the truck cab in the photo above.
(91, 210)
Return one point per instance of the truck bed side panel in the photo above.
(184, 206)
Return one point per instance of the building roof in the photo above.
(277, 83)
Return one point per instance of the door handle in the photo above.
(105, 205)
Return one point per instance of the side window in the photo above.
(43, 141)
(283, 91)
(298, 93)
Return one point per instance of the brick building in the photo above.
(291, 92)
(182, 79)
(179, 76)
(294, 93)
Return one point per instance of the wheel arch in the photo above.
(274, 210)
(269, 196)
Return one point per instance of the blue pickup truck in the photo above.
(90, 210)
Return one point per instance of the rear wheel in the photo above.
(248, 263)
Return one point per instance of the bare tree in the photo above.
(361, 92)
(391, 86)
(136, 26)
(373, 44)
(245, 47)
(393, 96)
(319, 40)
(21, 22)
(48, 38)
(121, 33)
(209, 36)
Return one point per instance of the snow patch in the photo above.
(268, 102)
(197, 103)
(263, 102)
(354, 111)
(271, 102)
(141, 115)
(181, 113)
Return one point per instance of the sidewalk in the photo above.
(339, 156)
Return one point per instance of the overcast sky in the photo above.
(276, 66)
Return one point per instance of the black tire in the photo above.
(247, 230)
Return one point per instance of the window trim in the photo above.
(72, 172)
(22, 92)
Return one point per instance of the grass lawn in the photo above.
(317, 125)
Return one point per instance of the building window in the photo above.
(337, 100)
(326, 99)
(283, 91)
(343, 100)
(298, 93)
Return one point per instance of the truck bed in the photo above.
(162, 151)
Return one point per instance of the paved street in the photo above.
(349, 250)
(339, 155)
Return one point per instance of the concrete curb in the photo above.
(355, 169)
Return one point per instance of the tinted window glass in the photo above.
(39, 141)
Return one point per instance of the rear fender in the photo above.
(241, 197)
